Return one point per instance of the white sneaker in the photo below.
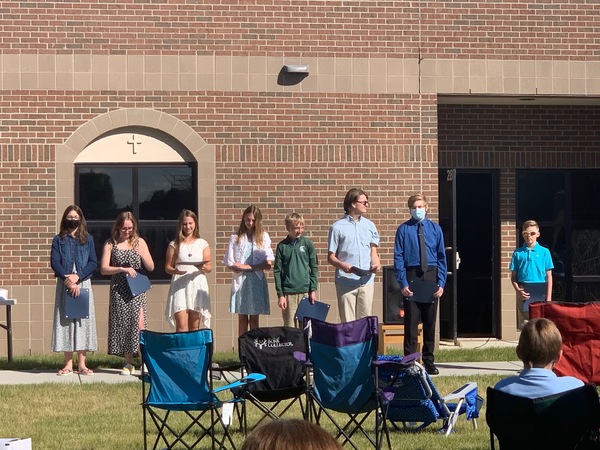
(127, 369)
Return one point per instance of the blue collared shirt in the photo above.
(531, 264)
(351, 242)
(406, 250)
(536, 383)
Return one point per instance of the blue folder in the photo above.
(422, 291)
(318, 310)
(138, 284)
(536, 291)
(78, 307)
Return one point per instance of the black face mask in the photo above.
(72, 224)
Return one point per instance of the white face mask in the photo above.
(417, 213)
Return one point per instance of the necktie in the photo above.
(422, 247)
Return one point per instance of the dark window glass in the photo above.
(586, 252)
(540, 196)
(585, 292)
(553, 238)
(586, 199)
(105, 191)
(164, 192)
(566, 204)
(155, 194)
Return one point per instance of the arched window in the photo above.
(138, 170)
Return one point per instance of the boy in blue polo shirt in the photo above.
(531, 263)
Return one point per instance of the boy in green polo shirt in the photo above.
(296, 271)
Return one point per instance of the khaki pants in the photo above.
(355, 303)
(289, 313)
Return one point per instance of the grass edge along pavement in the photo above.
(97, 360)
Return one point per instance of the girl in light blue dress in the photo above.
(249, 254)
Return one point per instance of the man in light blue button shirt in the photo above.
(352, 250)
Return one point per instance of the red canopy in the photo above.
(579, 324)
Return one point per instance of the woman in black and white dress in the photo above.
(125, 253)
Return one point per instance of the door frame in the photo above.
(448, 218)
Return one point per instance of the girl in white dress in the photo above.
(188, 260)
(248, 255)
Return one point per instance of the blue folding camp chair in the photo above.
(343, 358)
(178, 386)
(416, 402)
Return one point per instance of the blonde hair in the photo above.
(293, 219)
(540, 343)
(180, 237)
(119, 221)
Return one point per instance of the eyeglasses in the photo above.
(365, 203)
(529, 233)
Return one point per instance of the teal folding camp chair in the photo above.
(177, 391)
(343, 359)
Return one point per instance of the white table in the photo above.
(8, 325)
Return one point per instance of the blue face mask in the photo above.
(417, 213)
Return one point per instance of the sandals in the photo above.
(86, 371)
(127, 369)
(64, 372)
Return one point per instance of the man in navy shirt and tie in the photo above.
(420, 256)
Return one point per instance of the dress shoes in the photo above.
(430, 368)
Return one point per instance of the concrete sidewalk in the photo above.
(112, 376)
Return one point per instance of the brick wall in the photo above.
(27, 210)
(432, 29)
(510, 137)
(273, 150)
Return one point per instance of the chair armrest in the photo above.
(300, 356)
(461, 392)
(250, 378)
(392, 364)
(231, 368)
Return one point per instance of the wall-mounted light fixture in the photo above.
(296, 68)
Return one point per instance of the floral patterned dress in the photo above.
(124, 309)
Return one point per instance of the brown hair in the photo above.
(414, 199)
(529, 223)
(540, 343)
(81, 233)
(119, 221)
(352, 196)
(258, 227)
(291, 434)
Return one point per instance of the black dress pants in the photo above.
(415, 312)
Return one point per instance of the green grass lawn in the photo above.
(109, 416)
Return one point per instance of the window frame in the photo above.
(158, 276)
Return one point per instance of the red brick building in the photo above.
(492, 109)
